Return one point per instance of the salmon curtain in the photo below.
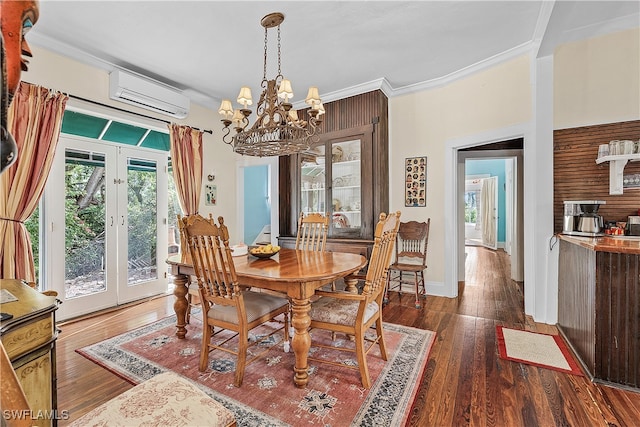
(35, 120)
(186, 159)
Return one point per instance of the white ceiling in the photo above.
(208, 49)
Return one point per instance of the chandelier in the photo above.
(277, 130)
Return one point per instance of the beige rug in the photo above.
(533, 348)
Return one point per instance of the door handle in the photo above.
(122, 220)
(111, 221)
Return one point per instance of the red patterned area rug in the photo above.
(534, 348)
(268, 397)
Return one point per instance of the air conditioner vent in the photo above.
(145, 93)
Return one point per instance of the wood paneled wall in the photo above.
(578, 177)
(576, 300)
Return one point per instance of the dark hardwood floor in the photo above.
(465, 382)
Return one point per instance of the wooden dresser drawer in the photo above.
(34, 373)
(23, 339)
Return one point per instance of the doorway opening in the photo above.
(492, 199)
(257, 205)
(257, 182)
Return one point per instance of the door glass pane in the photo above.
(346, 191)
(33, 228)
(142, 220)
(313, 179)
(85, 219)
(173, 212)
(471, 207)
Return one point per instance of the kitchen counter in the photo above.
(622, 244)
(599, 305)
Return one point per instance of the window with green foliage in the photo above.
(471, 202)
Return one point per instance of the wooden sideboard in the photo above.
(29, 339)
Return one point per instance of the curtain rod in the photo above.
(127, 111)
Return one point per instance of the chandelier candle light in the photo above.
(277, 130)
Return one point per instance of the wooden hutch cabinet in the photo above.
(346, 174)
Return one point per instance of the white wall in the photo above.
(597, 80)
(421, 124)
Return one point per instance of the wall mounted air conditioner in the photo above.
(144, 93)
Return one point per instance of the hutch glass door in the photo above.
(331, 176)
(346, 190)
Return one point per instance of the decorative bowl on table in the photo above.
(264, 251)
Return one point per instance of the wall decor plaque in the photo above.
(415, 191)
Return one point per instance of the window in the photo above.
(74, 123)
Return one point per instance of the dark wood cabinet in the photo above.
(617, 325)
(345, 174)
(599, 310)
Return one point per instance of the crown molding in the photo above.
(384, 85)
(485, 64)
(622, 23)
(64, 49)
(378, 84)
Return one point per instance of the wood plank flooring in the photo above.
(465, 382)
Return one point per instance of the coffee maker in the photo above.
(581, 218)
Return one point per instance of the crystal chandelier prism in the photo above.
(277, 130)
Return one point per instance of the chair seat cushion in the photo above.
(407, 267)
(164, 400)
(193, 289)
(339, 311)
(256, 305)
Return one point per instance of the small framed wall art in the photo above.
(415, 183)
(211, 192)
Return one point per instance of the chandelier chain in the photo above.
(266, 40)
(279, 72)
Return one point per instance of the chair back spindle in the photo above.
(312, 232)
(413, 239)
(212, 259)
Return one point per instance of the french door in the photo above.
(105, 209)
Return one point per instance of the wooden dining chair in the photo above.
(354, 314)
(411, 258)
(312, 231)
(12, 396)
(193, 292)
(225, 304)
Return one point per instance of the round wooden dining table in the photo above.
(292, 272)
